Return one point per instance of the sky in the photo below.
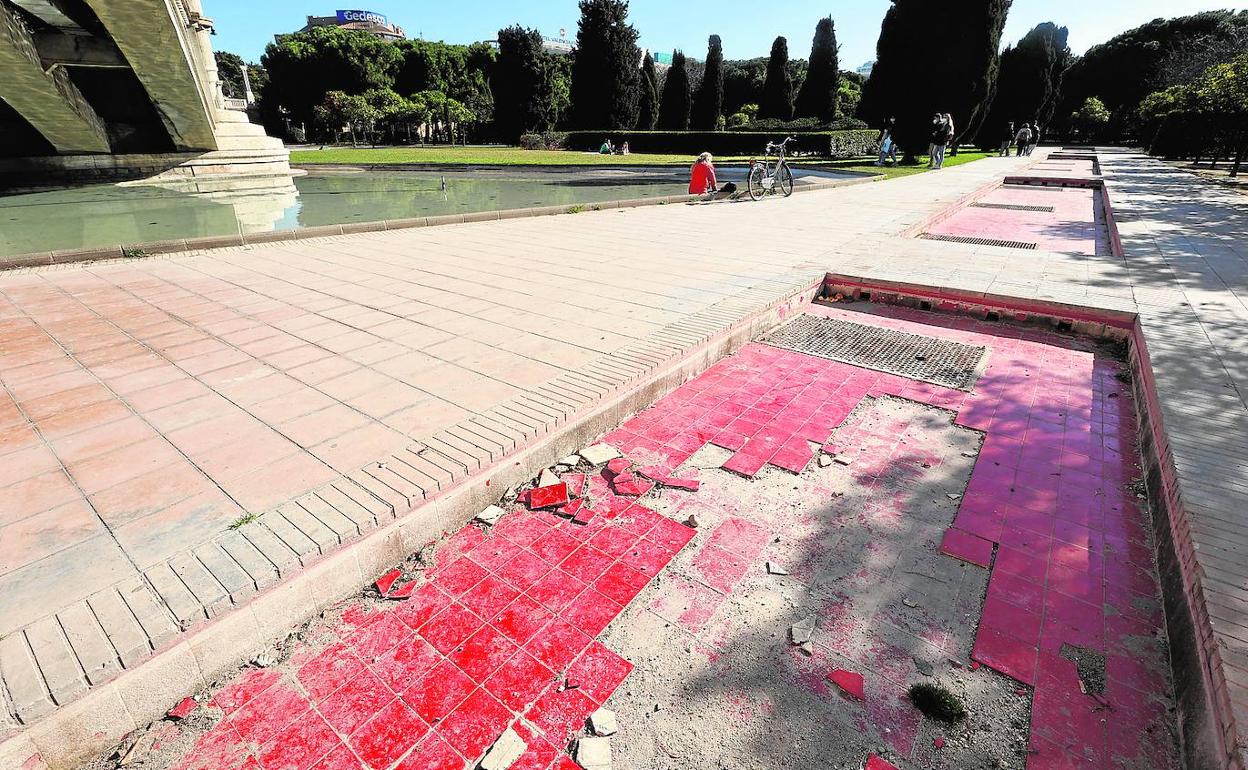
(746, 26)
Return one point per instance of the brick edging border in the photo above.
(99, 719)
(154, 248)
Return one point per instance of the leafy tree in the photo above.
(230, 73)
(708, 107)
(352, 111)
(524, 80)
(848, 94)
(1030, 81)
(674, 107)
(1123, 70)
(648, 106)
(929, 60)
(447, 115)
(605, 78)
(819, 94)
(458, 71)
(1090, 119)
(304, 67)
(777, 96)
(389, 106)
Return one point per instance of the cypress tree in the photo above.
(522, 81)
(709, 105)
(674, 108)
(929, 60)
(817, 96)
(605, 77)
(777, 100)
(648, 108)
(1030, 81)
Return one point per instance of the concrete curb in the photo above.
(98, 720)
(152, 248)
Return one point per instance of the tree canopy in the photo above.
(929, 60)
(605, 77)
(1030, 81)
(526, 82)
(818, 95)
(648, 105)
(674, 108)
(708, 107)
(777, 96)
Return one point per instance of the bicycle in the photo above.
(766, 175)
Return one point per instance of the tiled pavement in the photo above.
(503, 632)
(543, 289)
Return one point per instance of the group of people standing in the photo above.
(942, 133)
(1024, 139)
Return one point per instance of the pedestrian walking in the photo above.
(935, 146)
(1021, 140)
(888, 146)
(1007, 139)
(1035, 138)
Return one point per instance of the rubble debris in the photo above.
(402, 592)
(183, 709)
(387, 580)
(939, 743)
(266, 659)
(664, 477)
(850, 682)
(618, 465)
(576, 484)
(603, 722)
(911, 603)
(594, 753)
(548, 497)
(808, 648)
(952, 496)
(969, 454)
(599, 454)
(691, 521)
(506, 750)
(571, 461)
(489, 516)
(842, 460)
(547, 478)
(776, 569)
(803, 630)
(824, 459)
(875, 762)
(923, 666)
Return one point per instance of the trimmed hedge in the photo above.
(827, 144)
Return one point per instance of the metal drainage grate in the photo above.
(928, 359)
(1013, 207)
(978, 241)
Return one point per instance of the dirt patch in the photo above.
(1090, 665)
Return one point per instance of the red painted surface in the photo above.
(505, 628)
(850, 682)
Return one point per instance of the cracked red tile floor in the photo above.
(506, 630)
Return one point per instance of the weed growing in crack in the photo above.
(937, 702)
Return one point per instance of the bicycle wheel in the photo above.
(784, 178)
(754, 184)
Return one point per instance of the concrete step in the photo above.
(239, 129)
(252, 142)
(232, 116)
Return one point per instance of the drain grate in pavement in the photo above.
(1013, 207)
(973, 241)
(914, 356)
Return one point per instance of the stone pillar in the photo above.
(49, 101)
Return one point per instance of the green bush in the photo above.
(824, 144)
(547, 140)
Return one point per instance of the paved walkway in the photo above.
(470, 339)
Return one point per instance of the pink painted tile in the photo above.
(556, 590)
(355, 702)
(489, 596)
(425, 602)
(459, 576)
(524, 569)
(438, 692)
(522, 619)
(621, 583)
(301, 746)
(1005, 654)
(558, 645)
(406, 663)
(598, 672)
(558, 714)
(720, 569)
(475, 724)
(387, 736)
(483, 653)
(519, 681)
(591, 612)
(450, 627)
(967, 547)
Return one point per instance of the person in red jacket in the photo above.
(702, 176)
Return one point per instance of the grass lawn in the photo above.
(514, 156)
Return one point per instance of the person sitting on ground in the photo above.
(606, 148)
(624, 149)
(702, 179)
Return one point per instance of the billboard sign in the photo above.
(355, 17)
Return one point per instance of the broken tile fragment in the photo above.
(547, 478)
(603, 722)
(576, 484)
(691, 521)
(403, 591)
(939, 743)
(506, 750)
(803, 630)
(618, 465)
(824, 460)
(183, 709)
(850, 682)
(594, 753)
(776, 569)
(548, 497)
(387, 580)
(490, 515)
(842, 460)
(599, 454)
(874, 762)
(571, 461)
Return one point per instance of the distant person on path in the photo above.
(1022, 139)
(950, 141)
(935, 138)
(702, 179)
(942, 133)
(1035, 138)
(888, 147)
(1006, 141)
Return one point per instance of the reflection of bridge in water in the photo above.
(108, 89)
